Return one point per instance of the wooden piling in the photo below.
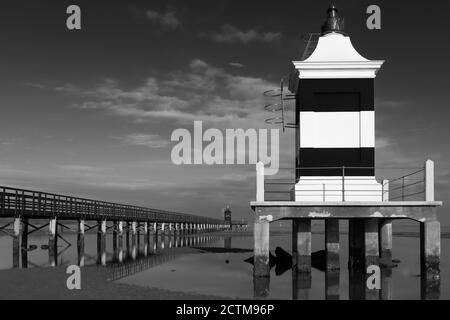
(80, 243)
(52, 242)
(17, 230)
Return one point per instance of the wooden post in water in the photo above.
(120, 230)
(24, 244)
(114, 239)
(52, 242)
(101, 243)
(133, 240)
(80, 243)
(17, 230)
(146, 238)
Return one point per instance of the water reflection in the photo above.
(357, 289)
(145, 253)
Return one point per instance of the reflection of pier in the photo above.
(154, 253)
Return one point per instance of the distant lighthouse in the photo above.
(227, 216)
(335, 139)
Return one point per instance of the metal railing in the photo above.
(346, 184)
(36, 204)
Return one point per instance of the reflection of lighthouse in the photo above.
(227, 216)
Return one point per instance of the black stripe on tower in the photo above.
(333, 95)
(362, 158)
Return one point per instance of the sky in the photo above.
(90, 112)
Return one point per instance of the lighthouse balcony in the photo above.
(338, 188)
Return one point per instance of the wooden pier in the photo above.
(24, 207)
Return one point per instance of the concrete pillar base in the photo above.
(332, 244)
(302, 244)
(261, 266)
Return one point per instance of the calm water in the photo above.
(220, 269)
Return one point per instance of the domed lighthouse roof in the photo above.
(334, 56)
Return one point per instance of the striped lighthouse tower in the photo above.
(335, 137)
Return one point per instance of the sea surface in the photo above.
(219, 265)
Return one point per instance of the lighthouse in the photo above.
(335, 113)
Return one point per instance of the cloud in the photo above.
(167, 19)
(231, 34)
(236, 64)
(201, 92)
(147, 140)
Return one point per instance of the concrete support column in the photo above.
(372, 251)
(302, 245)
(430, 256)
(17, 231)
(332, 284)
(52, 242)
(385, 242)
(261, 266)
(356, 244)
(163, 227)
(332, 244)
(80, 243)
(301, 285)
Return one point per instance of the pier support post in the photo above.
(385, 242)
(163, 229)
(133, 240)
(17, 230)
(114, 239)
(101, 243)
(301, 285)
(332, 244)
(356, 244)
(146, 238)
(372, 252)
(127, 240)
(430, 255)
(52, 242)
(302, 244)
(80, 243)
(386, 284)
(120, 230)
(24, 244)
(261, 266)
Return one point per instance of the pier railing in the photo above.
(346, 184)
(21, 202)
